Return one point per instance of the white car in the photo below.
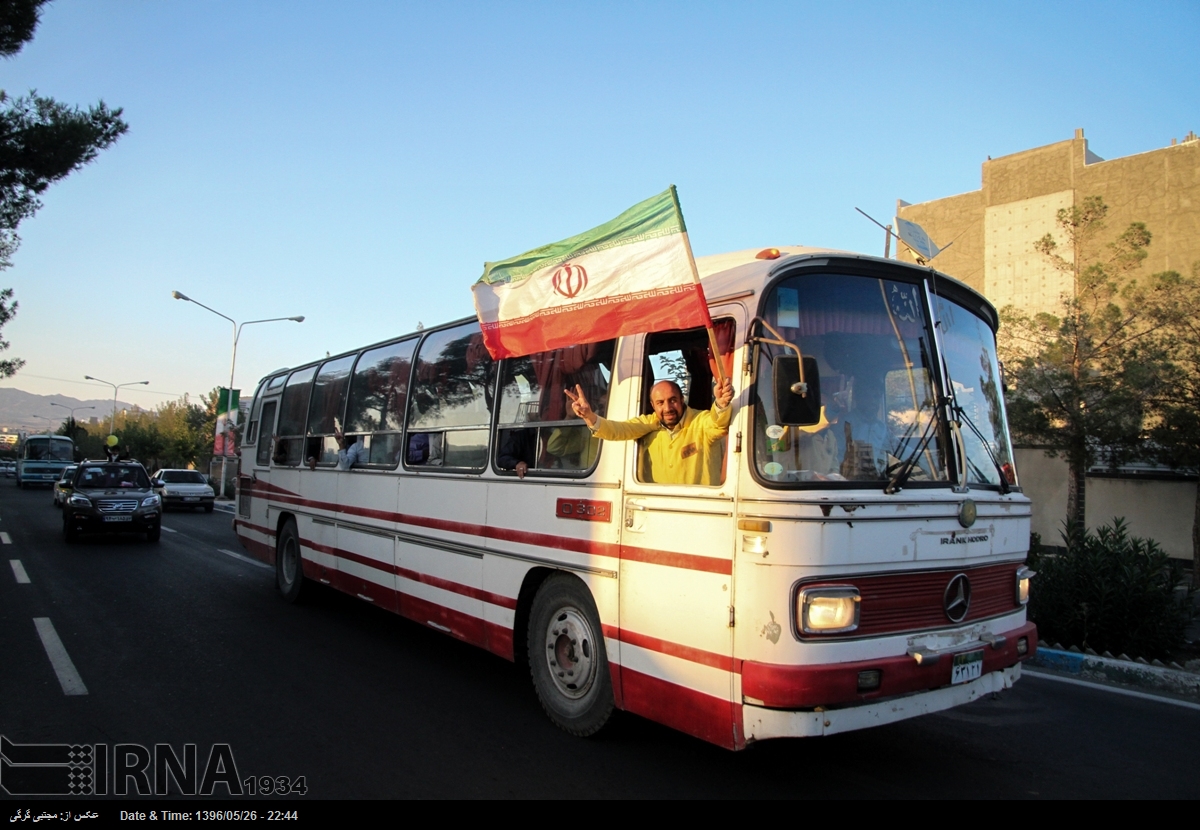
(183, 488)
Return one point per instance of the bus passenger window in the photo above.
(325, 411)
(377, 401)
(450, 407)
(289, 450)
(681, 360)
(537, 426)
(263, 457)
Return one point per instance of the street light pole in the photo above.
(112, 426)
(73, 410)
(231, 416)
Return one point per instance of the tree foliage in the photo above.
(18, 19)
(1175, 430)
(176, 434)
(41, 142)
(1081, 378)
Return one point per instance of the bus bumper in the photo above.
(761, 723)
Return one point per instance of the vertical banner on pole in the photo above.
(224, 442)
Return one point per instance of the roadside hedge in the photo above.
(1110, 591)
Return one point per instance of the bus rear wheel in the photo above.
(567, 659)
(289, 568)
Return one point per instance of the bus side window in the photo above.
(263, 457)
(684, 358)
(326, 409)
(293, 409)
(377, 400)
(536, 425)
(250, 433)
(450, 409)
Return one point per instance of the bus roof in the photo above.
(732, 274)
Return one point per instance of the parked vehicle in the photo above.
(112, 497)
(183, 488)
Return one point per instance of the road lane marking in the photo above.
(168, 530)
(1116, 690)
(253, 562)
(68, 678)
(19, 571)
(4, 537)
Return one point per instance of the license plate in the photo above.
(967, 666)
(130, 519)
(191, 498)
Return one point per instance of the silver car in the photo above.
(183, 488)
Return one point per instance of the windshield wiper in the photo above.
(901, 471)
(1004, 488)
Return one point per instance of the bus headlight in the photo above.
(1024, 575)
(829, 609)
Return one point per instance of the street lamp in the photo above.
(237, 333)
(73, 410)
(112, 427)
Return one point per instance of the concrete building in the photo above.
(993, 231)
(994, 228)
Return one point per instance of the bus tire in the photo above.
(567, 659)
(289, 566)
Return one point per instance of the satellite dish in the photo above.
(914, 236)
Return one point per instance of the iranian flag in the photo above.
(629, 275)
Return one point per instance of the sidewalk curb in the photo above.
(1125, 672)
(225, 506)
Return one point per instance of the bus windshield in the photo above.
(970, 348)
(870, 340)
(48, 448)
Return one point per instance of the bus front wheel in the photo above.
(289, 569)
(567, 658)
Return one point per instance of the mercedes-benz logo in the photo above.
(957, 600)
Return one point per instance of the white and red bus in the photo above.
(860, 562)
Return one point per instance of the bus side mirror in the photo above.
(797, 404)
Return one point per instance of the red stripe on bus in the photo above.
(803, 687)
(265, 530)
(670, 559)
(458, 588)
(693, 655)
(447, 620)
(704, 716)
(416, 576)
(685, 561)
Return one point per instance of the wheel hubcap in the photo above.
(289, 561)
(571, 653)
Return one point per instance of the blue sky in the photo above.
(357, 162)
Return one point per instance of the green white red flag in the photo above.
(632, 274)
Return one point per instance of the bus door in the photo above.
(677, 557)
(256, 484)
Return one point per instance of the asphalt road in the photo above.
(186, 642)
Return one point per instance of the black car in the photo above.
(112, 497)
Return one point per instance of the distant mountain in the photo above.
(20, 410)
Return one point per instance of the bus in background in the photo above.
(857, 557)
(42, 458)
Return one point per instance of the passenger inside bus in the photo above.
(678, 444)
(538, 431)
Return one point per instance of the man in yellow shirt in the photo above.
(684, 444)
